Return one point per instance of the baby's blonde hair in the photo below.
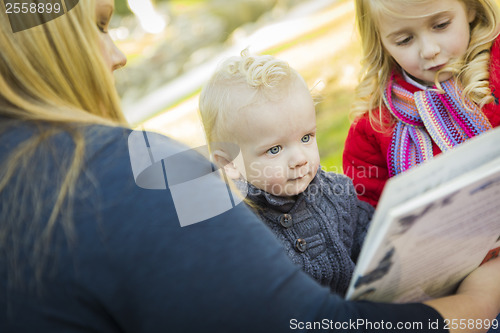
(263, 77)
(472, 71)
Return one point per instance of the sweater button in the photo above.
(301, 245)
(286, 220)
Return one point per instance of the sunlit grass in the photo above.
(337, 95)
(338, 75)
(332, 111)
(307, 37)
(333, 125)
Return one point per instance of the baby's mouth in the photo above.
(300, 177)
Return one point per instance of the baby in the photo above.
(262, 105)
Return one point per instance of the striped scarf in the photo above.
(426, 116)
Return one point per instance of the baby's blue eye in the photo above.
(274, 150)
(306, 138)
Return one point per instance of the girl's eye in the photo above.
(404, 41)
(442, 26)
(274, 150)
(306, 138)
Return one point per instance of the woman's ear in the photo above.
(223, 160)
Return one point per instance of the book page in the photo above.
(434, 241)
(463, 159)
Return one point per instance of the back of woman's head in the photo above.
(378, 64)
(55, 71)
(53, 78)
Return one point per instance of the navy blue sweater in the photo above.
(322, 229)
(131, 267)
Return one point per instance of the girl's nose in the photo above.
(429, 49)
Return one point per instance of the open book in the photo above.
(434, 225)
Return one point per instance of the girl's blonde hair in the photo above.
(54, 77)
(472, 71)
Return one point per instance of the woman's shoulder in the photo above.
(112, 146)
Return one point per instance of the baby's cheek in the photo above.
(273, 179)
(274, 183)
(271, 172)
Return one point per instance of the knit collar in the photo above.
(282, 204)
(413, 82)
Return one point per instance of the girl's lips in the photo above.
(436, 68)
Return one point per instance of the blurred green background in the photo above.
(316, 37)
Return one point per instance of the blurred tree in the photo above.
(121, 7)
(234, 13)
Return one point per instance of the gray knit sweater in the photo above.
(322, 229)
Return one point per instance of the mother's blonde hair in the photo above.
(55, 67)
(377, 64)
(53, 78)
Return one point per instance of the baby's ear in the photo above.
(223, 160)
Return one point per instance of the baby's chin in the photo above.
(295, 187)
(287, 187)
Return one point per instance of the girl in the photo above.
(429, 83)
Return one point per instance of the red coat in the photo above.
(365, 151)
